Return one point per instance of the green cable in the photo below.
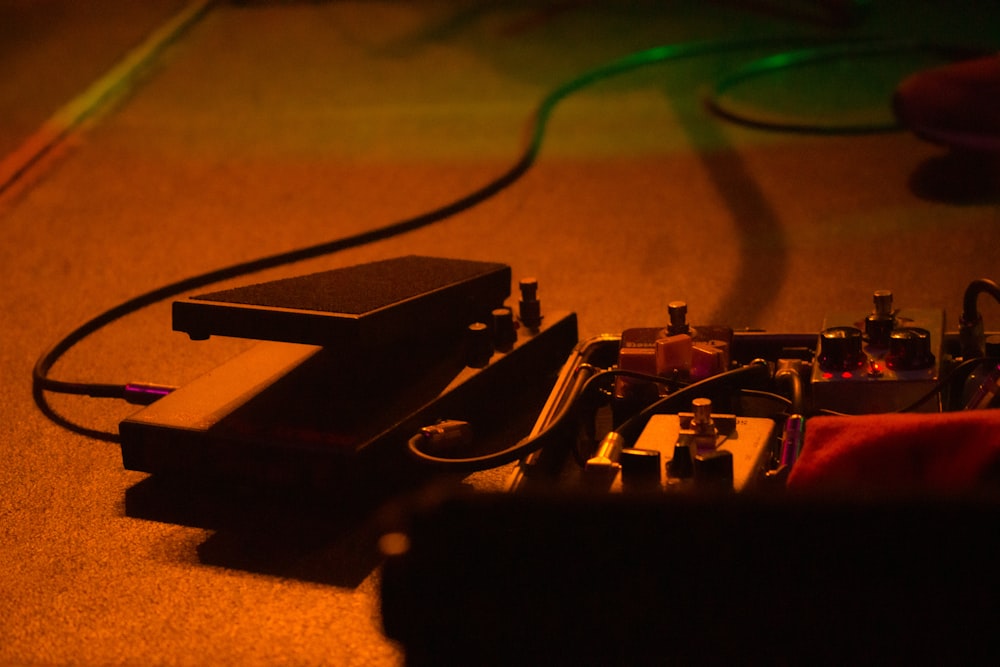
(809, 56)
(640, 59)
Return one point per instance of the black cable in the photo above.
(755, 374)
(786, 403)
(45, 362)
(970, 308)
(553, 431)
(527, 158)
(41, 382)
(962, 369)
(971, 335)
(646, 377)
(790, 377)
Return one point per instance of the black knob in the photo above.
(640, 467)
(480, 345)
(504, 331)
(841, 349)
(909, 349)
(677, 312)
(993, 346)
(713, 471)
(681, 465)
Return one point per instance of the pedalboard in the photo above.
(887, 360)
(631, 561)
(701, 450)
(413, 342)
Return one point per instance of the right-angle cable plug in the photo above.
(788, 377)
(971, 334)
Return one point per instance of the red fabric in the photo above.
(956, 104)
(951, 452)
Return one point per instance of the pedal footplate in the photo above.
(305, 417)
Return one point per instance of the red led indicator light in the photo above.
(827, 375)
(847, 375)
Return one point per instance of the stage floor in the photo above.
(144, 146)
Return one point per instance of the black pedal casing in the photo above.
(302, 417)
(362, 307)
(355, 362)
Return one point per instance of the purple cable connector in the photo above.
(145, 393)
(792, 438)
